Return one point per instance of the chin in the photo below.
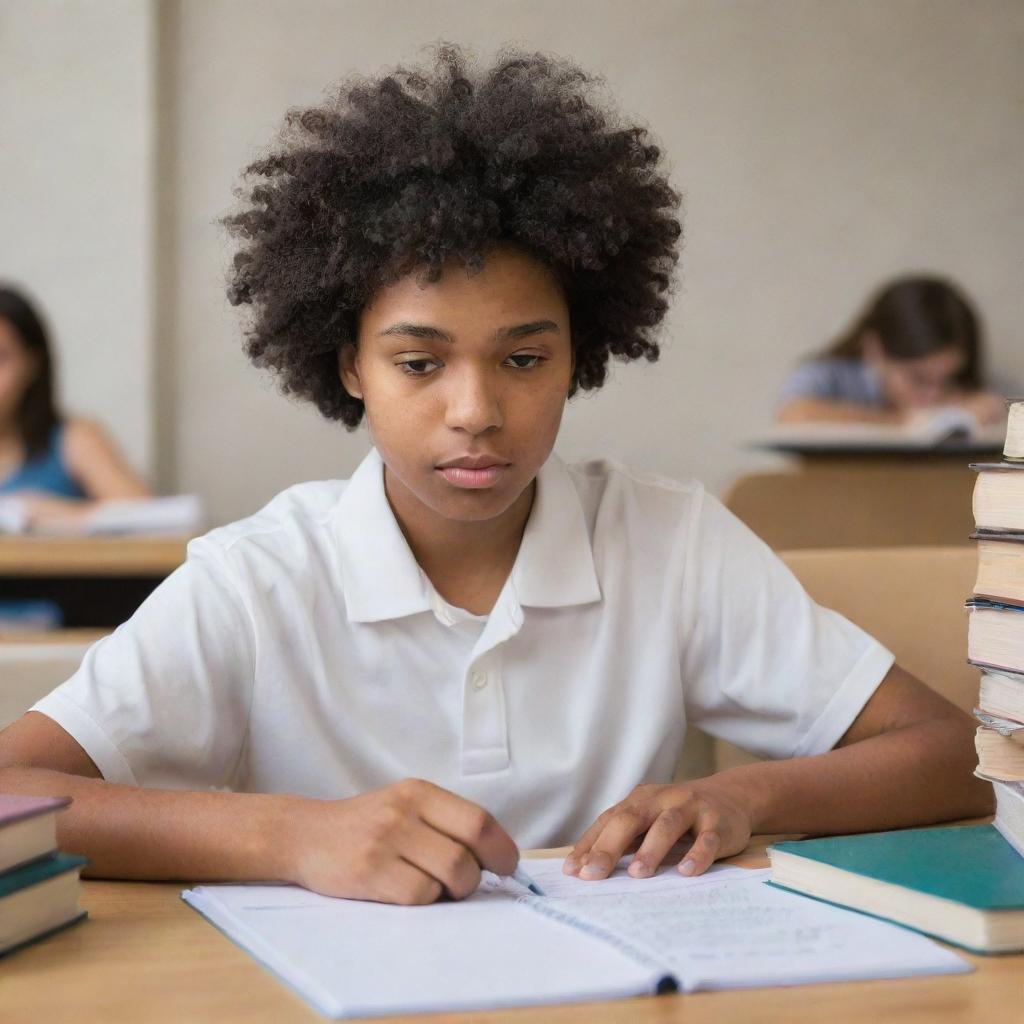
(473, 506)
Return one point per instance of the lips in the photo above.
(473, 462)
(473, 472)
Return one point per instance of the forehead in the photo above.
(944, 361)
(511, 286)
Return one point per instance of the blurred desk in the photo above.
(90, 556)
(97, 581)
(146, 956)
(857, 497)
(57, 638)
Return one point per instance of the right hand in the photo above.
(408, 843)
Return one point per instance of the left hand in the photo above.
(713, 813)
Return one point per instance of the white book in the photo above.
(172, 515)
(924, 429)
(581, 941)
(1009, 819)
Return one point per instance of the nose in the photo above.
(473, 402)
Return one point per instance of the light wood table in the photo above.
(51, 638)
(91, 556)
(146, 956)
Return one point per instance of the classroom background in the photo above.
(822, 147)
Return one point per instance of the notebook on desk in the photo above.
(582, 941)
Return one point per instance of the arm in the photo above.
(825, 410)
(906, 760)
(406, 843)
(95, 462)
(99, 468)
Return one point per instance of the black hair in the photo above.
(402, 172)
(37, 414)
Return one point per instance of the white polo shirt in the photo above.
(302, 650)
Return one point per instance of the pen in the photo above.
(527, 882)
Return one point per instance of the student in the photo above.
(916, 344)
(58, 466)
(376, 687)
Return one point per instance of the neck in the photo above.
(456, 553)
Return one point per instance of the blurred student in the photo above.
(916, 345)
(59, 466)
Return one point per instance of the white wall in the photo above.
(822, 145)
(76, 197)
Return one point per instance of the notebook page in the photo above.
(355, 959)
(736, 932)
(547, 873)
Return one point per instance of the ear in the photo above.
(348, 370)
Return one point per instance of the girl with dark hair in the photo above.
(376, 687)
(917, 344)
(58, 467)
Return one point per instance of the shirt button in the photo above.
(479, 680)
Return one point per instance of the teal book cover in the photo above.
(38, 871)
(973, 865)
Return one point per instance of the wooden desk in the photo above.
(856, 501)
(146, 956)
(51, 638)
(97, 581)
(90, 556)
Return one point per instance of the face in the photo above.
(17, 368)
(464, 382)
(913, 383)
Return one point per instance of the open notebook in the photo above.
(581, 941)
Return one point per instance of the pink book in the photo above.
(28, 827)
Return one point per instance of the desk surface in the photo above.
(146, 956)
(91, 556)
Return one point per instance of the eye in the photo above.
(418, 367)
(528, 361)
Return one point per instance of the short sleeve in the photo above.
(763, 666)
(164, 700)
(810, 380)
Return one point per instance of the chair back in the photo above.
(30, 670)
(857, 506)
(910, 599)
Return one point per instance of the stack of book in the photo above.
(995, 639)
(38, 885)
(961, 884)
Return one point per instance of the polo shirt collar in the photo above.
(382, 580)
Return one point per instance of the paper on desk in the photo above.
(587, 940)
(547, 873)
(733, 931)
(355, 959)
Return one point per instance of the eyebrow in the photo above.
(430, 333)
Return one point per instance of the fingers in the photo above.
(706, 847)
(404, 883)
(667, 829)
(582, 848)
(448, 862)
(467, 823)
(618, 833)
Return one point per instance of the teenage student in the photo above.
(59, 466)
(376, 687)
(916, 344)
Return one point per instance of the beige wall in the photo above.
(76, 188)
(822, 145)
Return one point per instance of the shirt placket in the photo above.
(485, 741)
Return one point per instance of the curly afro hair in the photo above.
(403, 172)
